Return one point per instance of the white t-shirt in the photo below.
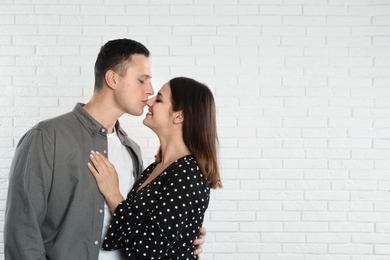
(120, 158)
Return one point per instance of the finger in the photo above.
(203, 232)
(96, 162)
(198, 251)
(93, 170)
(104, 159)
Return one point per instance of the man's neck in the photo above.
(102, 111)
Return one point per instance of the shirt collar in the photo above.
(90, 123)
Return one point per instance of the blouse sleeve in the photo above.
(149, 233)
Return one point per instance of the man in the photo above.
(54, 208)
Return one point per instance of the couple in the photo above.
(63, 189)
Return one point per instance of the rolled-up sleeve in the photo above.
(29, 187)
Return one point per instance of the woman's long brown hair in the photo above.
(199, 127)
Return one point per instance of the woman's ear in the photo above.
(110, 78)
(179, 117)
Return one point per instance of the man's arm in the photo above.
(29, 186)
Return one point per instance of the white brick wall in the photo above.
(303, 99)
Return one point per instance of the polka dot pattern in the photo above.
(161, 220)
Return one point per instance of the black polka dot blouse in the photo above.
(161, 220)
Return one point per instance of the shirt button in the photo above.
(104, 151)
(103, 130)
(100, 211)
(96, 242)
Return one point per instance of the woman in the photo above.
(165, 208)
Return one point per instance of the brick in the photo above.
(239, 153)
(305, 206)
(258, 248)
(37, 19)
(171, 19)
(235, 256)
(109, 31)
(324, 216)
(263, 185)
(232, 216)
(306, 227)
(189, 50)
(260, 164)
(261, 227)
(125, 19)
(283, 256)
(260, 20)
(241, 237)
(304, 20)
(267, 40)
(381, 20)
(329, 238)
(371, 239)
(307, 185)
(278, 132)
(382, 250)
(275, 195)
(327, 257)
(371, 257)
(351, 249)
(284, 10)
(7, 19)
(325, 10)
(374, 10)
(284, 237)
(293, 31)
(201, 19)
(237, 195)
(259, 205)
(305, 122)
(333, 112)
(17, 8)
(82, 19)
(236, 10)
(305, 248)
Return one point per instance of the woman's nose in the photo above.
(150, 101)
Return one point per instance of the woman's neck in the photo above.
(173, 149)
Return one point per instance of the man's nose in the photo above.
(149, 89)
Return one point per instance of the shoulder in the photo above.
(48, 129)
(187, 164)
(51, 125)
(57, 122)
(187, 170)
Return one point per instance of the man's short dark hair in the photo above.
(116, 55)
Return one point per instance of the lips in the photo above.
(149, 112)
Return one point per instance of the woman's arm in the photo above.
(162, 232)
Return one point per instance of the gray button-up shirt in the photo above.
(54, 207)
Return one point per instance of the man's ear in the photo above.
(179, 117)
(111, 79)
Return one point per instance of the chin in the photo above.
(136, 113)
(145, 122)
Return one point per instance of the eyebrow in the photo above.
(146, 76)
